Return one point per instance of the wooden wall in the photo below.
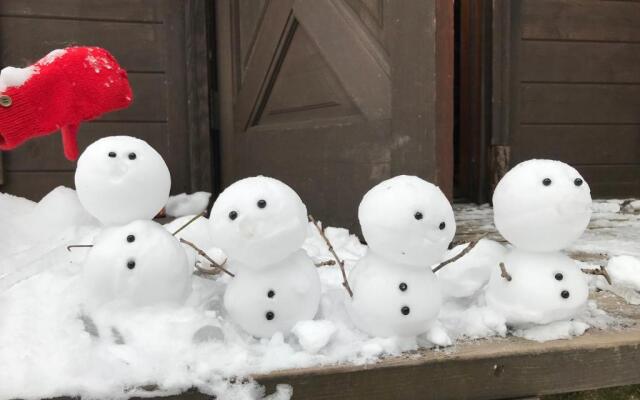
(162, 45)
(568, 85)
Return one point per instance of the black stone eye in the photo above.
(405, 310)
(418, 215)
(131, 238)
(558, 276)
(403, 286)
(271, 293)
(233, 215)
(132, 156)
(112, 154)
(442, 225)
(131, 264)
(262, 203)
(565, 294)
(546, 181)
(578, 182)
(270, 315)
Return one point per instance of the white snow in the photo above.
(15, 77)
(120, 179)
(169, 349)
(187, 204)
(314, 335)
(260, 223)
(542, 205)
(52, 56)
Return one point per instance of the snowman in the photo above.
(120, 179)
(136, 265)
(540, 207)
(260, 223)
(408, 224)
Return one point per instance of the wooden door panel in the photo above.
(567, 75)
(311, 98)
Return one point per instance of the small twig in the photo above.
(345, 282)
(72, 246)
(206, 256)
(464, 252)
(192, 220)
(602, 271)
(504, 273)
(325, 263)
(205, 271)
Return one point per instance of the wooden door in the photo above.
(333, 96)
(566, 86)
(162, 45)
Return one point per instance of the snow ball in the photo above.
(258, 221)
(121, 179)
(407, 220)
(542, 205)
(314, 335)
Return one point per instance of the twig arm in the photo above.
(602, 271)
(340, 262)
(206, 256)
(504, 273)
(192, 220)
(459, 255)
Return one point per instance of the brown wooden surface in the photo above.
(574, 87)
(334, 96)
(162, 44)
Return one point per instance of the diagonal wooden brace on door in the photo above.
(359, 63)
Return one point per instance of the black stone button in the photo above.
(405, 310)
(403, 286)
(270, 315)
(565, 294)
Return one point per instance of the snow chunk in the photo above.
(51, 57)
(553, 331)
(625, 271)
(15, 77)
(314, 335)
(187, 204)
(467, 275)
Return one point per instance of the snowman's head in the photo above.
(542, 205)
(407, 220)
(120, 179)
(138, 264)
(258, 221)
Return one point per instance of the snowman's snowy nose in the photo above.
(248, 228)
(118, 169)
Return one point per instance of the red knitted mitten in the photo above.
(63, 89)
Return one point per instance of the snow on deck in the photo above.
(614, 229)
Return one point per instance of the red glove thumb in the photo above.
(70, 141)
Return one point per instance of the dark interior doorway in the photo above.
(472, 97)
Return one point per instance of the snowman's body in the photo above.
(544, 287)
(273, 299)
(392, 299)
(408, 224)
(260, 223)
(136, 265)
(540, 206)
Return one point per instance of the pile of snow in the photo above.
(57, 346)
(187, 204)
